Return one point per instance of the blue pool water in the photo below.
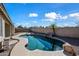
(42, 43)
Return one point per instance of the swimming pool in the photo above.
(43, 43)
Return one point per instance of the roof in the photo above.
(5, 13)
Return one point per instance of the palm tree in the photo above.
(53, 26)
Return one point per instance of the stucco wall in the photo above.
(43, 30)
(1, 27)
(68, 32)
(7, 30)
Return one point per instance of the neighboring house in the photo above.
(6, 26)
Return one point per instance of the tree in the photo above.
(53, 26)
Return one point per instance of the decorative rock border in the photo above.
(69, 50)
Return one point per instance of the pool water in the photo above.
(42, 43)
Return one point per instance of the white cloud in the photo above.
(33, 15)
(59, 16)
(56, 16)
(64, 17)
(75, 15)
(53, 16)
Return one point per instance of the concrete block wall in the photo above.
(67, 31)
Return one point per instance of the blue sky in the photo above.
(43, 14)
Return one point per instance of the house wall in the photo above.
(0, 26)
(7, 30)
(2, 32)
(8, 27)
(12, 30)
(5, 27)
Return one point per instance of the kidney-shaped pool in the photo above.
(43, 43)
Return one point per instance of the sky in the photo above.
(43, 14)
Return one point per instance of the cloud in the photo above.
(59, 16)
(51, 15)
(75, 15)
(64, 17)
(54, 16)
(33, 15)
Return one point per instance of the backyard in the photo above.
(39, 29)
